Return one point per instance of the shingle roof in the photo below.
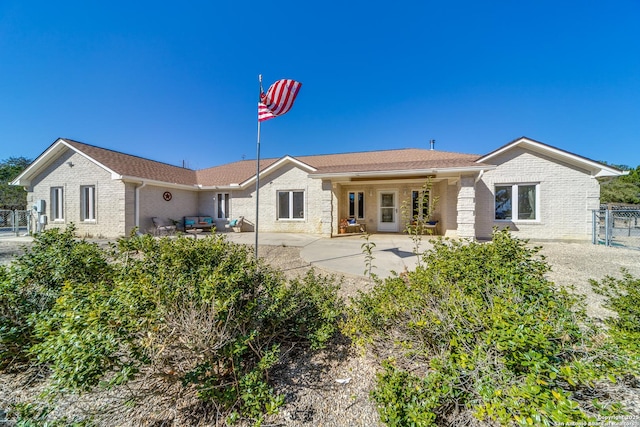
(241, 171)
(368, 161)
(138, 167)
(389, 160)
(231, 173)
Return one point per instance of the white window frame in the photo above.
(356, 213)
(57, 203)
(223, 208)
(514, 206)
(88, 203)
(290, 202)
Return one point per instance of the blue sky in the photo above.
(178, 81)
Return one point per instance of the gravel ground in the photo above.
(331, 388)
(314, 395)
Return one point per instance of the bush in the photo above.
(202, 313)
(623, 297)
(478, 328)
(31, 285)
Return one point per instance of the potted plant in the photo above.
(343, 225)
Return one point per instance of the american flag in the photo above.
(278, 100)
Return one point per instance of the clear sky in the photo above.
(178, 81)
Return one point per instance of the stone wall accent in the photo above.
(466, 207)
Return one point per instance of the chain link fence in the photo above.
(617, 226)
(15, 223)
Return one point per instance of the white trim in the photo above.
(356, 209)
(514, 202)
(56, 195)
(140, 186)
(388, 226)
(291, 216)
(88, 201)
(597, 169)
(402, 172)
(278, 164)
(226, 209)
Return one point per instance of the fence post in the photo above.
(607, 228)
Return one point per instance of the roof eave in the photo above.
(220, 187)
(136, 179)
(596, 169)
(403, 172)
(44, 159)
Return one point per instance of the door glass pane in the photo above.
(361, 205)
(503, 202)
(387, 214)
(222, 200)
(283, 205)
(352, 204)
(298, 204)
(526, 202)
(387, 207)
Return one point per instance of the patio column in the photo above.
(328, 210)
(467, 207)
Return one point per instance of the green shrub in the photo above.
(623, 297)
(198, 312)
(478, 327)
(32, 415)
(32, 283)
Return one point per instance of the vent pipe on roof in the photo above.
(432, 144)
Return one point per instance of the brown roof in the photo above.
(138, 167)
(241, 171)
(389, 160)
(231, 173)
(368, 161)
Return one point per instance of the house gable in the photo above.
(284, 162)
(566, 191)
(595, 169)
(120, 166)
(43, 164)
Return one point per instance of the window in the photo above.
(290, 204)
(88, 203)
(57, 204)
(420, 205)
(222, 206)
(356, 204)
(523, 208)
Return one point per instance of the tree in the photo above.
(622, 189)
(12, 197)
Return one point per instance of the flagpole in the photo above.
(258, 172)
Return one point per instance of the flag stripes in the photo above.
(264, 113)
(278, 100)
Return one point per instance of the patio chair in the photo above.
(163, 227)
(235, 224)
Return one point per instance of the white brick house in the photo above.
(538, 191)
